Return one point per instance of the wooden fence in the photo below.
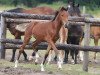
(80, 21)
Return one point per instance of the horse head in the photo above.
(73, 9)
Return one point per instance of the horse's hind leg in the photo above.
(13, 55)
(17, 36)
(35, 43)
(26, 40)
(96, 44)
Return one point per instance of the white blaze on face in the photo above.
(69, 6)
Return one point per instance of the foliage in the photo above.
(31, 3)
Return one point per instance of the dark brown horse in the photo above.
(47, 31)
(75, 33)
(17, 33)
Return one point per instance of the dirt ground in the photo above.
(7, 68)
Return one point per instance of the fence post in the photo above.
(2, 36)
(86, 43)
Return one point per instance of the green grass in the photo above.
(68, 69)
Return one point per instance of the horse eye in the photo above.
(61, 15)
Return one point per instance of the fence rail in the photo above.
(43, 45)
(48, 17)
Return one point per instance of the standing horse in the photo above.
(94, 33)
(75, 33)
(17, 33)
(47, 31)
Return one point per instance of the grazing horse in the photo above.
(12, 26)
(47, 31)
(75, 33)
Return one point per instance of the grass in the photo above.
(68, 69)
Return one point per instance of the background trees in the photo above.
(31, 3)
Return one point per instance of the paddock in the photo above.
(6, 17)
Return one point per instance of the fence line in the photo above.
(48, 17)
(44, 45)
(86, 21)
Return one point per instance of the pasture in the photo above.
(29, 68)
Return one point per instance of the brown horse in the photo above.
(95, 33)
(47, 31)
(17, 33)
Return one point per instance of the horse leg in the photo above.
(66, 56)
(45, 57)
(35, 43)
(50, 56)
(63, 38)
(26, 40)
(56, 52)
(13, 55)
(33, 54)
(72, 53)
(76, 54)
(96, 44)
(17, 36)
(81, 52)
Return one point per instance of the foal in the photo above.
(17, 33)
(47, 31)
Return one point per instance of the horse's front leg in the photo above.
(76, 54)
(13, 55)
(26, 40)
(66, 56)
(45, 57)
(72, 53)
(56, 52)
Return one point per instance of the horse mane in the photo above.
(56, 13)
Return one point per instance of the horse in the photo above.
(12, 26)
(75, 33)
(45, 32)
(94, 34)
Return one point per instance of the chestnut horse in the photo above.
(94, 33)
(12, 26)
(47, 31)
(75, 33)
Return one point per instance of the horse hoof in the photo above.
(65, 62)
(12, 60)
(26, 60)
(36, 63)
(95, 61)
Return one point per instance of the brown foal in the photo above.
(47, 31)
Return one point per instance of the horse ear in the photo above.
(78, 5)
(63, 8)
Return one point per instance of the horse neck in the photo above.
(57, 23)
